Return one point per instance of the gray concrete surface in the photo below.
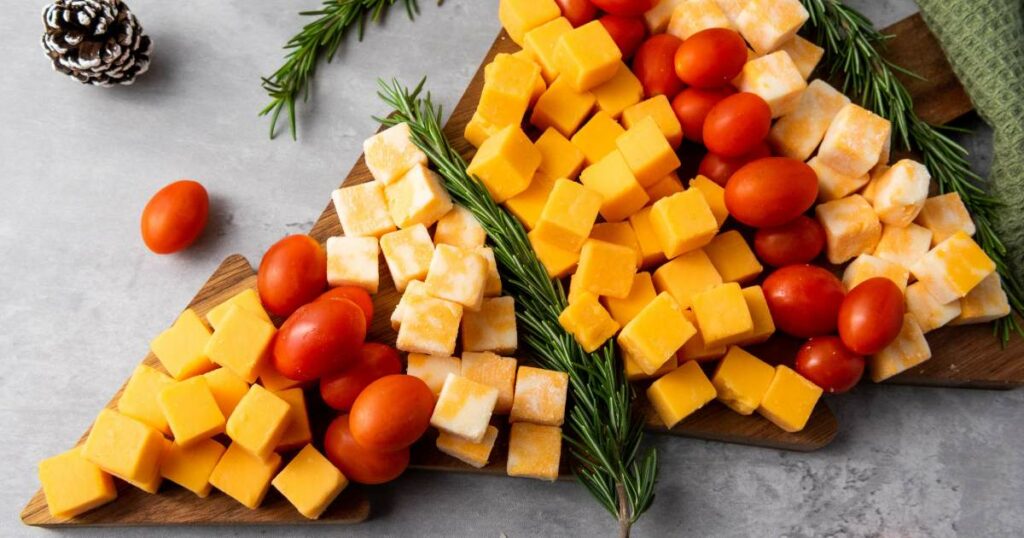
(80, 297)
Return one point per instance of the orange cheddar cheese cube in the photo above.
(714, 195)
(851, 227)
(181, 349)
(273, 380)
(494, 371)
(722, 314)
(190, 467)
(768, 24)
(557, 261)
(476, 454)
(588, 321)
(606, 269)
(683, 222)
(659, 15)
(647, 152)
(534, 451)
(686, 275)
(540, 42)
(418, 197)
(597, 137)
(789, 400)
(139, 399)
(587, 57)
(833, 185)
(509, 85)
(901, 192)
(776, 79)
(805, 54)
(693, 16)
(244, 477)
(352, 261)
(457, 275)
(432, 370)
(505, 163)
(227, 388)
(540, 396)
(867, 266)
(618, 233)
(953, 268)
(259, 421)
(539, 84)
(797, 134)
(363, 210)
(460, 228)
(528, 205)
(929, 313)
(562, 108)
(568, 215)
(854, 140)
(985, 302)
(680, 393)
(646, 237)
(732, 257)
(407, 253)
(908, 350)
(492, 328)
(635, 373)
(559, 158)
(641, 292)
(240, 344)
(464, 408)
(695, 349)
(664, 187)
(152, 483)
(191, 410)
(479, 129)
(428, 325)
(247, 300)
(124, 447)
(660, 110)
(310, 482)
(741, 380)
(391, 153)
(945, 215)
(297, 433)
(652, 337)
(764, 325)
(620, 92)
(73, 485)
(520, 16)
(492, 285)
(620, 192)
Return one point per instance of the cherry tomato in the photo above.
(392, 412)
(624, 8)
(771, 191)
(719, 169)
(871, 316)
(797, 241)
(373, 362)
(711, 58)
(320, 338)
(627, 32)
(826, 362)
(292, 273)
(358, 463)
(357, 295)
(175, 216)
(692, 106)
(737, 124)
(579, 12)
(654, 65)
(804, 300)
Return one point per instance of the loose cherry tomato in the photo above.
(357, 295)
(711, 58)
(175, 216)
(627, 32)
(320, 338)
(692, 106)
(624, 8)
(358, 463)
(374, 361)
(797, 241)
(654, 65)
(579, 12)
(826, 362)
(737, 124)
(871, 316)
(804, 300)
(292, 273)
(771, 191)
(392, 412)
(719, 169)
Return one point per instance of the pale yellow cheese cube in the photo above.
(407, 253)
(693, 16)
(767, 24)
(493, 370)
(492, 287)
(432, 370)
(660, 14)
(540, 396)
(903, 245)
(945, 215)
(459, 228)
(986, 302)
(953, 268)
(429, 325)
(797, 134)
(805, 54)
(417, 198)
(832, 184)
(901, 192)
(414, 292)
(464, 408)
(775, 79)
(469, 452)
(929, 313)
(457, 275)
(492, 328)
(363, 210)
(352, 261)
(534, 451)
(908, 350)
(391, 153)
(854, 140)
(867, 266)
(851, 227)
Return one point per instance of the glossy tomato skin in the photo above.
(797, 241)
(871, 316)
(826, 362)
(358, 463)
(736, 124)
(292, 273)
(374, 361)
(319, 338)
(357, 295)
(624, 8)
(719, 169)
(579, 12)
(175, 216)
(627, 32)
(804, 300)
(654, 65)
(692, 106)
(391, 413)
(771, 191)
(711, 58)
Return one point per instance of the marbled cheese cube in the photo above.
(432, 370)
(568, 216)
(768, 24)
(660, 14)
(352, 261)
(558, 261)
(540, 42)
(495, 371)
(363, 210)
(797, 134)
(417, 198)
(647, 152)
(732, 257)
(741, 380)
(429, 325)
(851, 227)
(611, 178)
(597, 137)
(929, 313)
(641, 292)
(686, 275)
(833, 185)
(775, 79)
(901, 192)
(618, 233)
(606, 269)
(540, 396)
(460, 228)
(652, 337)
(407, 253)
(475, 454)
(391, 153)
(867, 266)
(680, 393)
(683, 222)
(986, 302)
(805, 54)
(714, 195)
(464, 408)
(457, 275)
(587, 57)
(732, 8)
(789, 400)
(620, 92)
(903, 246)
(854, 140)
(945, 215)
(562, 108)
(520, 16)
(589, 323)
(953, 268)
(505, 163)
(693, 16)
(868, 192)
(534, 451)
(559, 158)
(492, 328)
(414, 292)
(659, 109)
(908, 350)
(492, 286)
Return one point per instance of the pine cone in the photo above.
(95, 41)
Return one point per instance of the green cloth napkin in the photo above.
(984, 41)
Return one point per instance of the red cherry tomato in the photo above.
(826, 362)
(711, 58)
(654, 65)
(736, 124)
(771, 191)
(627, 32)
(719, 169)
(692, 106)
(804, 300)
(320, 338)
(357, 295)
(797, 241)
(373, 362)
(175, 216)
(871, 316)
(624, 8)
(360, 464)
(579, 12)
(392, 412)
(292, 273)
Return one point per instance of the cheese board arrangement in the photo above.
(656, 220)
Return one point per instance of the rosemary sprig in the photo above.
(853, 52)
(322, 37)
(603, 432)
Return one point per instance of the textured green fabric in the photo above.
(984, 40)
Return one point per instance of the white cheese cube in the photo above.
(692, 16)
(908, 350)
(460, 228)
(903, 246)
(775, 79)
(945, 215)
(492, 288)
(854, 140)
(929, 313)
(457, 275)
(658, 16)
(986, 302)
(464, 408)
(414, 291)
(352, 261)
(417, 198)
(953, 268)
(732, 8)
(408, 253)
(901, 192)
(429, 326)
(867, 266)
(432, 370)
(540, 396)
(492, 328)
(767, 24)
(833, 185)
(391, 153)
(798, 133)
(805, 54)
(851, 227)
(363, 210)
